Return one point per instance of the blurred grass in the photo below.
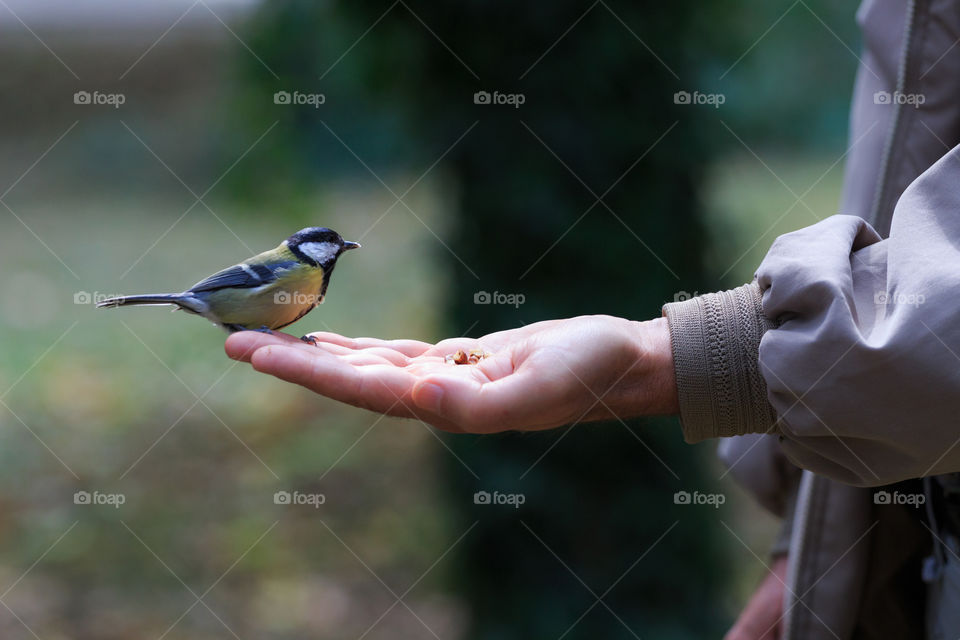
(114, 399)
(121, 384)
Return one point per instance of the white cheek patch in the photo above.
(322, 252)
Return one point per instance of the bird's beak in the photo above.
(350, 245)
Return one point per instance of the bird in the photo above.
(269, 291)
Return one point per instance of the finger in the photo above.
(242, 344)
(513, 335)
(364, 359)
(379, 388)
(391, 356)
(332, 338)
(334, 348)
(750, 631)
(409, 348)
(760, 619)
(755, 624)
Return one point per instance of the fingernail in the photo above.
(429, 396)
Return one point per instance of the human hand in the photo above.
(540, 376)
(762, 618)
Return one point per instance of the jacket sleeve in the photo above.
(846, 345)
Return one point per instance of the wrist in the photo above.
(661, 376)
(648, 384)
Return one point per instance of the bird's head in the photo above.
(319, 246)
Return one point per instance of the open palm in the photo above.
(536, 377)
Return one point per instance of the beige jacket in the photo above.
(845, 350)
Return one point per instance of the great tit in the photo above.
(268, 291)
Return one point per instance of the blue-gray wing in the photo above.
(243, 276)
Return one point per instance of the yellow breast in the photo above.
(275, 305)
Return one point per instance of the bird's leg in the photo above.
(233, 328)
(310, 340)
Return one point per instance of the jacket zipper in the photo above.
(883, 181)
(805, 492)
(798, 539)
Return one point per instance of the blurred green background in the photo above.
(599, 194)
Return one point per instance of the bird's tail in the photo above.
(150, 298)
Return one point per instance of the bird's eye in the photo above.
(320, 251)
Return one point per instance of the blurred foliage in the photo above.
(113, 399)
(785, 70)
(750, 207)
(100, 203)
(790, 86)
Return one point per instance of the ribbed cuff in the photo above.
(716, 342)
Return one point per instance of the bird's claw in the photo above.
(310, 340)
